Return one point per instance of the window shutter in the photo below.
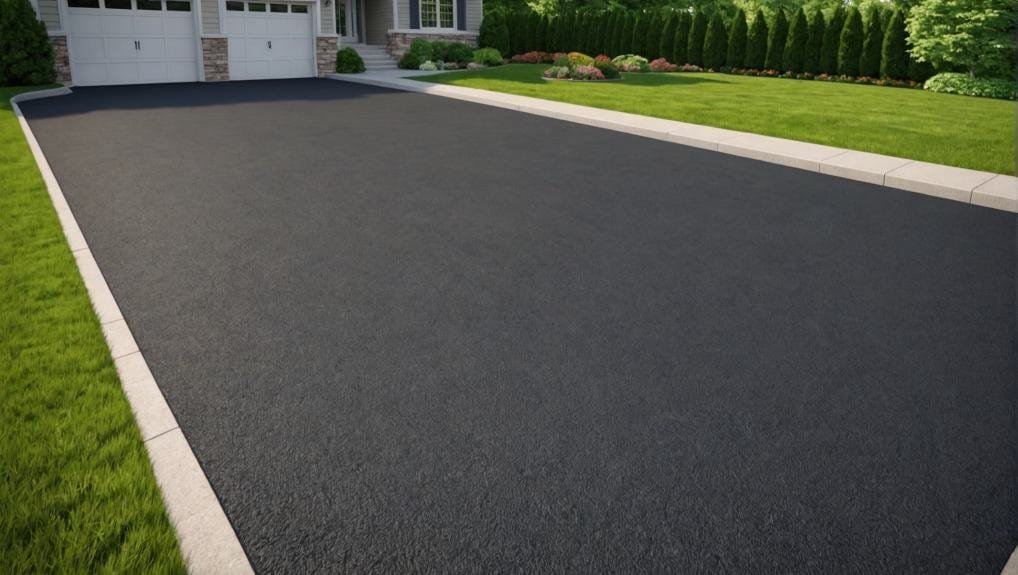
(461, 14)
(415, 14)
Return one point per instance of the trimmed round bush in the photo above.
(579, 59)
(428, 66)
(409, 61)
(423, 49)
(608, 69)
(26, 55)
(631, 63)
(488, 57)
(459, 52)
(348, 61)
(955, 83)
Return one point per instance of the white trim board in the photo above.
(207, 539)
(985, 189)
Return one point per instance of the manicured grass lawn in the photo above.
(77, 494)
(976, 133)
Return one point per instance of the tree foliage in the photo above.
(814, 43)
(976, 35)
(872, 45)
(894, 51)
(776, 42)
(494, 32)
(756, 42)
(667, 46)
(697, 34)
(652, 40)
(715, 43)
(850, 50)
(680, 46)
(794, 58)
(832, 42)
(735, 55)
(26, 55)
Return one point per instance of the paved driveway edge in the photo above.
(207, 539)
(985, 189)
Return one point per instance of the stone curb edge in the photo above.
(987, 189)
(206, 536)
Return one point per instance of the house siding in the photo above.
(328, 17)
(378, 14)
(404, 14)
(49, 13)
(210, 16)
(475, 12)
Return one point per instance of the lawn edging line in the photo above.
(986, 189)
(206, 537)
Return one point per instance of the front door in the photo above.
(346, 21)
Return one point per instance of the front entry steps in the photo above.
(375, 57)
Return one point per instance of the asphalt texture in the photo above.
(412, 334)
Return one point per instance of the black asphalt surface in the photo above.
(412, 334)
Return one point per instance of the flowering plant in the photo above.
(579, 59)
(602, 58)
(662, 65)
(586, 73)
(631, 63)
(532, 58)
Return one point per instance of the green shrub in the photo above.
(735, 55)
(423, 49)
(608, 69)
(872, 45)
(697, 34)
(794, 58)
(631, 63)
(894, 52)
(428, 66)
(776, 42)
(348, 61)
(832, 42)
(715, 43)
(579, 59)
(409, 61)
(487, 57)
(494, 32)
(458, 52)
(850, 49)
(652, 41)
(756, 42)
(955, 83)
(26, 55)
(814, 43)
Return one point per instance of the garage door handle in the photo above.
(270, 44)
(137, 45)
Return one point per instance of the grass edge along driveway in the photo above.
(77, 492)
(964, 131)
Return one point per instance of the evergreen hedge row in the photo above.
(842, 41)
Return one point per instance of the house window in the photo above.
(299, 8)
(235, 6)
(437, 14)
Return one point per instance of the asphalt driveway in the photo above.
(407, 333)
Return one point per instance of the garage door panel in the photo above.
(256, 26)
(291, 54)
(120, 46)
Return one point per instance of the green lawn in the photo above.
(77, 494)
(976, 133)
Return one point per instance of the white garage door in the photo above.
(131, 41)
(269, 40)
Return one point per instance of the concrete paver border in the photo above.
(207, 539)
(986, 189)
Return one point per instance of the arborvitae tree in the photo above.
(814, 43)
(494, 32)
(850, 50)
(26, 54)
(894, 52)
(625, 45)
(596, 38)
(715, 43)
(652, 42)
(640, 34)
(776, 42)
(735, 55)
(517, 33)
(680, 45)
(533, 25)
(872, 45)
(541, 42)
(756, 42)
(832, 42)
(666, 47)
(697, 34)
(795, 48)
(580, 31)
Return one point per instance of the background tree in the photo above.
(850, 50)
(640, 34)
(533, 23)
(894, 52)
(517, 33)
(832, 42)
(715, 43)
(776, 42)
(680, 47)
(600, 39)
(756, 42)
(872, 45)
(697, 34)
(735, 55)
(542, 35)
(794, 57)
(626, 39)
(667, 45)
(494, 32)
(652, 44)
(582, 32)
(977, 35)
(814, 43)
(619, 23)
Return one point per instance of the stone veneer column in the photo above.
(215, 59)
(61, 62)
(325, 47)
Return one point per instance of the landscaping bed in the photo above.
(77, 493)
(976, 133)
